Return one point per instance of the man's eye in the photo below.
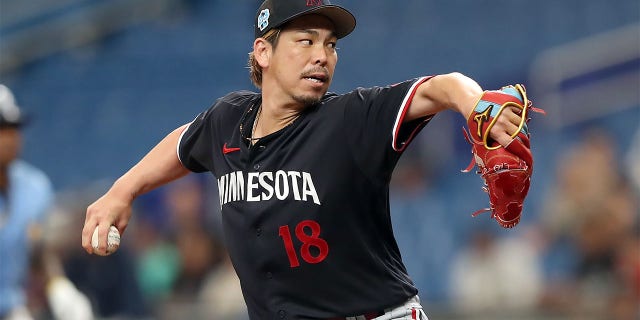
(332, 45)
(306, 42)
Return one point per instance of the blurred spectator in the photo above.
(48, 277)
(592, 215)
(177, 249)
(586, 175)
(601, 240)
(198, 254)
(221, 295)
(157, 263)
(496, 276)
(157, 260)
(110, 284)
(32, 283)
(633, 159)
(181, 256)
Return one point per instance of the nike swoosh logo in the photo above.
(226, 150)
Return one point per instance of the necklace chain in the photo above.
(251, 138)
(255, 124)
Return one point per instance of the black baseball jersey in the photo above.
(305, 210)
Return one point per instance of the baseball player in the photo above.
(303, 174)
(26, 197)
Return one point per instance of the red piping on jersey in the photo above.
(405, 108)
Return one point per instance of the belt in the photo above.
(366, 316)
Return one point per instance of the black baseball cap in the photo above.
(275, 13)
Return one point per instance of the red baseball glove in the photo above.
(506, 170)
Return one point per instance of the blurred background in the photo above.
(104, 81)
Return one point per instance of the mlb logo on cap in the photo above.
(263, 19)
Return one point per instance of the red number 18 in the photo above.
(308, 241)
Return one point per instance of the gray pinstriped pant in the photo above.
(410, 310)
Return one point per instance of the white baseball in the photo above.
(113, 239)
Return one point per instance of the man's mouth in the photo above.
(317, 77)
(314, 79)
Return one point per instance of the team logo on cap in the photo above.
(263, 19)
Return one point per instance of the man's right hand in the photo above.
(113, 208)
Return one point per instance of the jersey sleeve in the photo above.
(194, 146)
(375, 127)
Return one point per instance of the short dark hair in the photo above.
(255, 70)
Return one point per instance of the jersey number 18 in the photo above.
(308, 242)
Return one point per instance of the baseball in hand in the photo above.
(113, 240)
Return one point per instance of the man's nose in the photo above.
(320, 55)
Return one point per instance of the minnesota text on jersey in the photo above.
(263, 186)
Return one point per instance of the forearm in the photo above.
(458, 92)
(160, 166)
(453, 91)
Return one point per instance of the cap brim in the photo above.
(11, 124)
(23, 121)
(343, 21)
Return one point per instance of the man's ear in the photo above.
(262, 52)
